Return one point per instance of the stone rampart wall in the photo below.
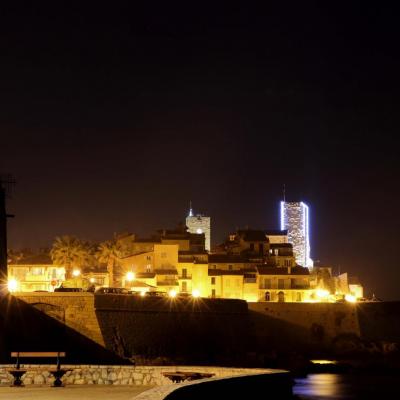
(115, 375)
(76, 310)
(326, 319)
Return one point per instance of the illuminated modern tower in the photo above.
(295, 219)
(199, 224)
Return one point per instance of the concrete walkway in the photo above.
(73, 392)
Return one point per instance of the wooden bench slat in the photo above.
(37, 354)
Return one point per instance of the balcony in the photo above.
(186, 276)
(168, 283)
(250, 280)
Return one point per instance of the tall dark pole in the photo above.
(3, 236)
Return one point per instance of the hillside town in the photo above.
(253, 265)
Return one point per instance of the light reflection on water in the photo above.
(340, 387)
(321, 386)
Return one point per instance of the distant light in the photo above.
(350, 298)
(130, 276)
(76, 272)
(143, 292)
(172, 293)
(196, 293)
(322, 293)
(199, 231)
(12, 285)
(323, 361)
(92, 280)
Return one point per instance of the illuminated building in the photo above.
(295, 219)
(200, 224)
(36, 273)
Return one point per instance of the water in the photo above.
(347, 386)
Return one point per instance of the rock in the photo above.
(27, 381)
(39, 380)
(112, 376)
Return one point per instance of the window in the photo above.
(148, 268)
(281, 284)
(148, 258)
(230, 267)
(267, 283)
(37, 271)
(184, 286)
(214, 266)
(288, 263)
(213, 293)
(298, 296)
(267, 296)
(213, 281)
(184, 273)
(276, 252)
(281, 297)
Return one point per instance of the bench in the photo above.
(18, 373)
(180, 376)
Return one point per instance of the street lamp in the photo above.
(130, 276)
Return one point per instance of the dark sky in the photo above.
(113, 117)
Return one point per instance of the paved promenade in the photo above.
(73, 392)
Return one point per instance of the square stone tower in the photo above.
(200, 224)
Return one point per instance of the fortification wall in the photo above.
(76, 310)
(169, 331)
(321, 320)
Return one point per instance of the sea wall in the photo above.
(174, 331)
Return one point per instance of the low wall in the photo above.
(116, 375)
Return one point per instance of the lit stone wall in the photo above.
(76, 310)
(115, 375)
(200, 224)
(328, 319)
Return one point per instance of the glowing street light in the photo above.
(130, 276)
(322, 294)
(76, 273)
(12, 285)
(172, 293)
(350, 298)
(92, 280)
(196, 293)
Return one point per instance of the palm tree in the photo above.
(70, 252)
(108, 252)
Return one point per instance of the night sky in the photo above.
(114, 117)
